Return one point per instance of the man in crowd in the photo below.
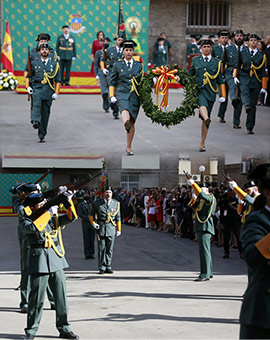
(66, 51)
(193, 47)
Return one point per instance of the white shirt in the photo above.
(119, 50)
(131, 63)
(108, 202)
(241, 47)
(208, 56)
(66, 36)
(46, 60)
(254, 51)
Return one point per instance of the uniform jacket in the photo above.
(255, 309)
(231, 59)
(112, 56)
(205, 205)
(43, 260)
(107, 226)
(199, 67)
(98, 57)
(192, 49)
(38, 68)
(66, 48)
(121, 78)
(247, 208)
(84, 211)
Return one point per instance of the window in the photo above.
(208, 16)
(130, 181)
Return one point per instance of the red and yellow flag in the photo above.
(6, 55)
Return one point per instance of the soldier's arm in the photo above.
(221, 81)
(74, 48)
(18, 207)
(57, 45)
(118, 218)
(82, 213)
(113, 81)
(97, 63)
(57, 81)
(192, 69)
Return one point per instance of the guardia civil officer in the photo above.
(46, 263)
(207, 72)
(205, 208)
(193, 47)
(251, 78)
(113, 54)
(100, 76)
(255, 310)
(124, 86)
(44, 85)
(66, 51)
(106, 219)
(219, 51)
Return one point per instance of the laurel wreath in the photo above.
(187, 107)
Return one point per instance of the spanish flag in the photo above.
(6, 55)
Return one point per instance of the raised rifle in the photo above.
(226, 176)
(186, 174)
(54, 191)
(29, 67)
(237, 74)
(43, 176)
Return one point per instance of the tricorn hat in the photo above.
(249, 184)
(108, 188)
(262, 174)
(44, 45)
(128, 44)
(204, 185)
(237, 32)
(223, 33)
(43, 36)
(33, 199)
(64, 26)
(120, 34)
(253, 35)
(197, 36)
(206, 42)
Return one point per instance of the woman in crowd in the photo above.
(97, 45)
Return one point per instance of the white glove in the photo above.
(105, 71)
(178, 79)
(54, 96)
(53, 210)
(263, 91)
(68, 194)
(73, 58)
(240, 201)
(58, 58)
(236, 80)
(62, 189)
(38, 187)
(190, 182)
(95, 225)
(232, 184)
(113, 100)
(30, 90)
(97, 77)
(194, 196)
(155, 80)
(222, 99)
(118, 233)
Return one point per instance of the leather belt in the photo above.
(37, 81)
(39, 245)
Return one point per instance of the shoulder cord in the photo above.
(50, 75)
(110, 215)
(200, 208)
(54, 234)
(253, 68)
(207, 77)
(135, 83)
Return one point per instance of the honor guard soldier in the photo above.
(113, 54)
(207, 72)
(46, 262)
(108, 224)
(100, 76)
(43, 84)
(255, 238)
(205, 208)
(124, 90)
(66, 51)
(252, 78)
(193, 47)
(219, 51)
(232, 59)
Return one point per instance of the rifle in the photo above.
(238, 68)
(29, 67)
(54, 191)
(42, 177)
(186, 174)
(227, 177)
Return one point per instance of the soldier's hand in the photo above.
(118, 233)
(194, 196)
(236, 80)
(222, 99)
(263, 91)
(54, 96)
(58, 58)
(53, 210)
(62, 189)
(95, 225)
(232, 184)
(30, 90)
(97, 77)
(38, 187)
(69, 194)
(240, 201)
(113, 100)
(73, 58)
(105, 71)
(177, 79)
(190, 182)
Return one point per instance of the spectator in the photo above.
(97, 45)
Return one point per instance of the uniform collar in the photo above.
(254, 51)
(46, 60)
(208, 56)
(131, 62)
(66, 36)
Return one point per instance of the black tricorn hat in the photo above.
(250, 184)
(204, 185)
(237, 32)
(27, 187)
(64, 26)
(262, 174)
(33, 199)
(197, 36)
(43, 36)
(223, 33)
(107, 38)
(128, 44)
(119, 35)
(253, 35)
(44, 45)
(206, 42)
(108, 188)
(211, 36)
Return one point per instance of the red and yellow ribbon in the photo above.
(162, 85)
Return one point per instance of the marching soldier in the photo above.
(108, 224)
(66, 51)
(42, 38)
(219, 51)
(205, 208)
(124, 89)
(113, 54)
(207, 71)
(43, 83)
(251, 79)
(101, 55)
(46, 263)
(193, 47)
(232, 59)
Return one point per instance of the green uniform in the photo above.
(42, 93)
(255, 310)
(107, 216)
(89, 234)
(66, 50)
(251, 81)
(126, 82)
(192, 48)
(103, 79)
(46, 266)
(204, 228)
(247, 208)
(208, 89)
(160, 56)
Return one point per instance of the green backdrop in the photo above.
(27, 18)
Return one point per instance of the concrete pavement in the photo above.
(151, 295)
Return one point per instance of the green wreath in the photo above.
(175, 117)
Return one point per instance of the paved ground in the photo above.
(78, 125)
(151, 295)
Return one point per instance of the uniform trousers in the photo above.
(41, 113)
(65, 65)
(89, 235)
(249, 98)
(105, 252)
(252, 332)
(39, 283)
(204, 239)
(223, 106)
